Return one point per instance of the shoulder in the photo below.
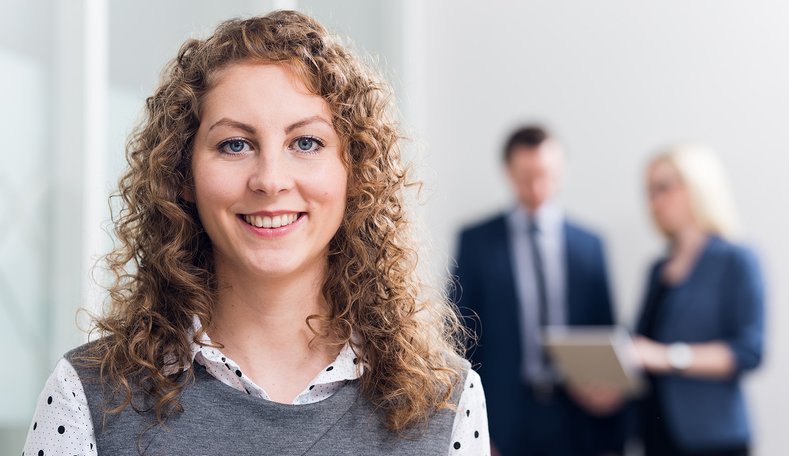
(738, 258)
(62, 423)
(474, 239)
(582, 242)
(86, 349)
(655, 268)
(465, 370)
(461, 367)
(472, 380)
(724, 248)
(581, 232)
(465, 383)
(470, 391)
(470, 428)
(484, 227)
(64, 381)
(86, 358)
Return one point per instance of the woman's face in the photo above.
(269, 182)
(669, 200)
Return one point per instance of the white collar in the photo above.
(344, 368)
(549, 217)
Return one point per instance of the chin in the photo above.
(271, 269)
(668, 232)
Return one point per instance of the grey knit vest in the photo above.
(220, 420)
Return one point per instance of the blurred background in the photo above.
(615, 79)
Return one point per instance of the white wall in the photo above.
(616, 80)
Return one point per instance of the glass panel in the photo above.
(25, 194)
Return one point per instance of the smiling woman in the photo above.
(264, 207)
(269, 180)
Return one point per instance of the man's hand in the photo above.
(597, 400)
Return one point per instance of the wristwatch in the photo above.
(680, 356)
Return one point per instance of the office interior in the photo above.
(616, 81)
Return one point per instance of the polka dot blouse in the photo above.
(62, 423)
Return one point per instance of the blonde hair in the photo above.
(704, 176)
(409, 341)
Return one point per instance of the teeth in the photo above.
(262, 221)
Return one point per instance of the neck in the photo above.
(533, 209)
(687, 240)
(258, 318)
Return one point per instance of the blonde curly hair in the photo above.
(163, 269)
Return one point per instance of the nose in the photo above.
(271, 174)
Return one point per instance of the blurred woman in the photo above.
(701, 326)
(266, 298)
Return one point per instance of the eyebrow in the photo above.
(307, 121)
(234, 124)
(251, 130)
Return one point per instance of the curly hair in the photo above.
(409, 339)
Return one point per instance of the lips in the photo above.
(275, 221)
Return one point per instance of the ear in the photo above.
(508, 170)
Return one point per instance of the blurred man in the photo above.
(517, 273)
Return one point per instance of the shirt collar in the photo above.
(549, 217)
(346, 366)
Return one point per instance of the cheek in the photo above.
(669, 210)
(660, 216)
(683, 209)
(213, 187)
(654, 206)
(523, 182)
(208, 190)
(329, 189)
(664, 206)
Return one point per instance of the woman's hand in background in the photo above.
(652, 355)
(712, 360)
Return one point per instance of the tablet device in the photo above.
(599, 356)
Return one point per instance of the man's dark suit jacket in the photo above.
(486, 294)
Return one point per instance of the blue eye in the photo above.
(234, 146)
(305, 143)
(308, 144)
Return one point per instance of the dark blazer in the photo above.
(722, 299)
(485, 293)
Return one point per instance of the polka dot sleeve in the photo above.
(470, 430)
(61, 424)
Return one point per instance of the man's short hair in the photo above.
(529, 136)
